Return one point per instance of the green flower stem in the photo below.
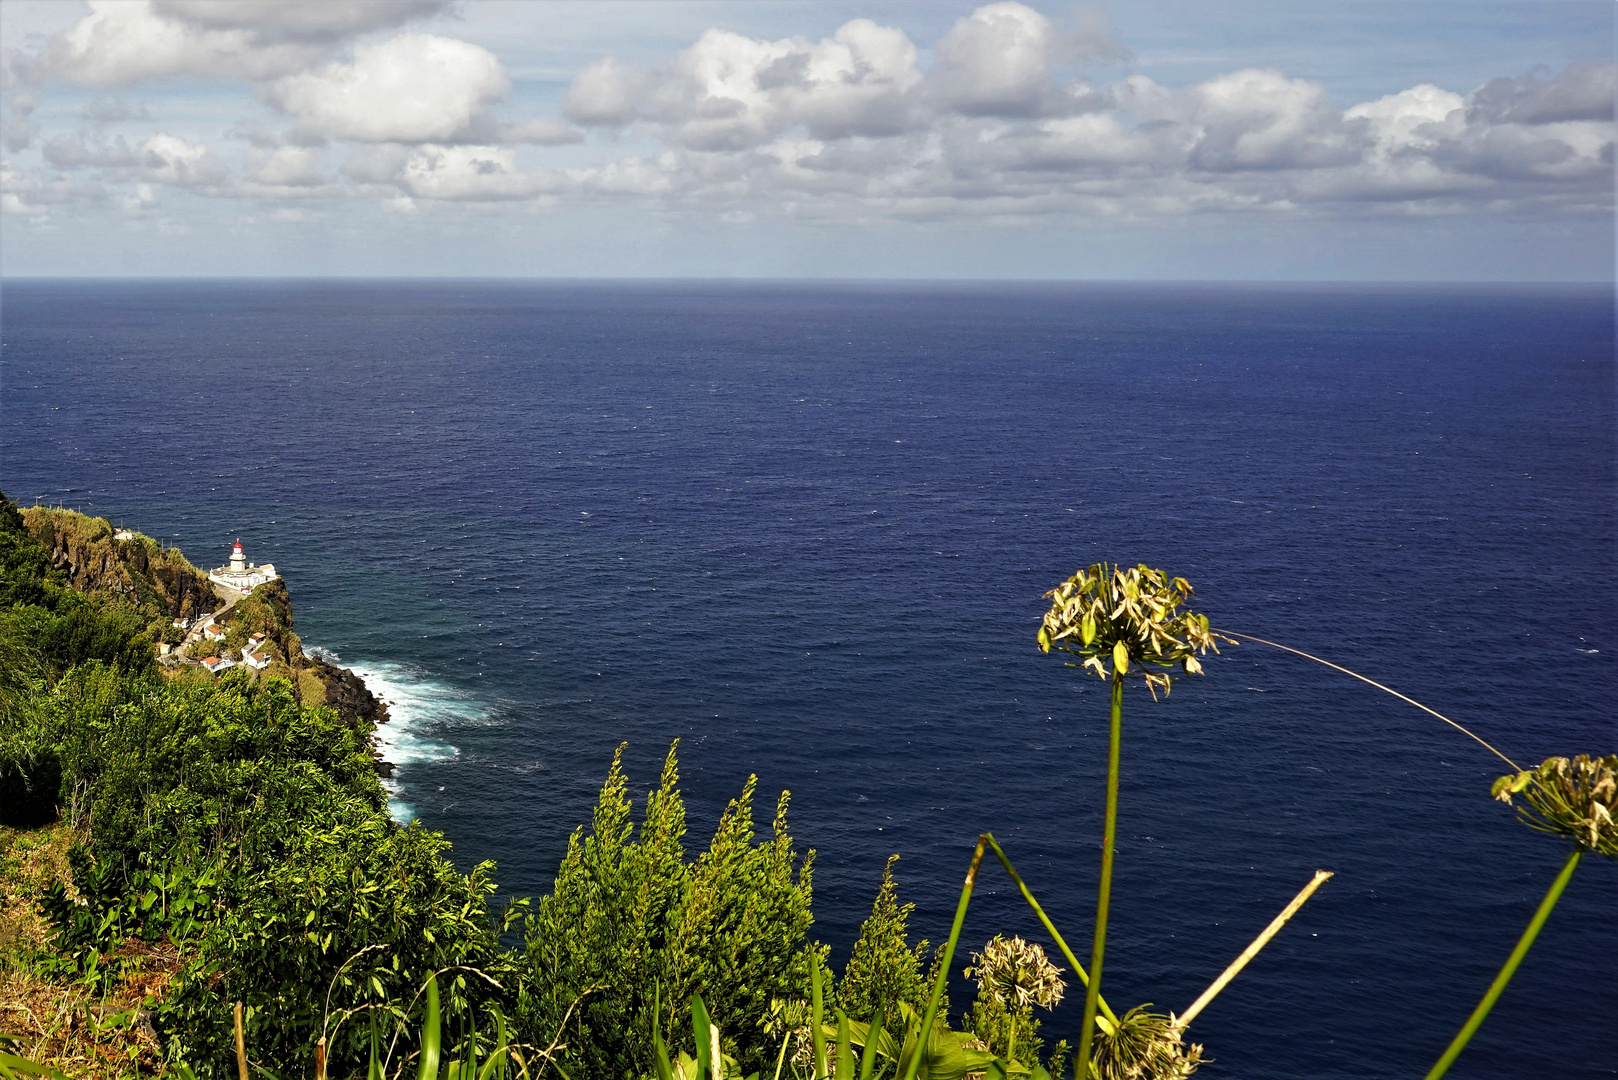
(1476, 1019)
(923, 1037)
(1050, 927)
(1092, 993)
(817, 1035)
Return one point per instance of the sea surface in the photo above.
(805, 530)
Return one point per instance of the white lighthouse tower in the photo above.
(241, 574)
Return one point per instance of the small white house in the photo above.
(256, 660)
(255, 643)
(216, 664)
(180, 624)
(124, 534)
(213, 632)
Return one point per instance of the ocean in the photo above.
(805, 529)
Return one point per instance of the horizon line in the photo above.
(790, 279)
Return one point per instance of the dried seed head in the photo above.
(1130, 618)
(1016, 972)
(1574, 798)
(1142, 1046)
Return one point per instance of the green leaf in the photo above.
(845, 1052)
(699, 1028)
(430, 1034)
(10, 1065)
(872, 1037)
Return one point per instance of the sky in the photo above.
(1445, 140)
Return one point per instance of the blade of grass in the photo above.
(1251, 951)
(924, 1036)
(845, 1050)
(1464, 1036)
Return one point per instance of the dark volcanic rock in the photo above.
(347, 693)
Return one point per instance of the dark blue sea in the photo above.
(805, 530)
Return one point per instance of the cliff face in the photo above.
(268, 611)
(156, 581)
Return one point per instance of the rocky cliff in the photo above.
(154, 580)
(268, 611)
(160, 584)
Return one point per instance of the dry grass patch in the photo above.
(66, 1025)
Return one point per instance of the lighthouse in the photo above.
(241, 574)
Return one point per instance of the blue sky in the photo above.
(1154, 140)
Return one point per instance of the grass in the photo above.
(65, 1025)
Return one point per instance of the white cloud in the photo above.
(284, 167)
(604, 94)
(169, 159)
(126, 41)
(996, 61)
(470, 174)
(845, 127)
(302, 20)
(545, 131)
(414, 88)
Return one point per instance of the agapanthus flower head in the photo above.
(1142, 1045)
(1129, 618)
(1570, 797)
(1016, 972)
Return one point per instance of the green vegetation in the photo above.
(199, 878)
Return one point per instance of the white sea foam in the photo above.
(418, 705)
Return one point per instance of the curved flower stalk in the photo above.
(1126, 618)
(1572, 798)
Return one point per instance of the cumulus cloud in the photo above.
(605, 94)
(996, 61)
(20, 129)
(284, 167)
(127, 41)
(470, 173)
(278, 20)
(169, 159)
(847, 127)
(122, 42)
(410, 88)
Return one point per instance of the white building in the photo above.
(241, 574)
(216, 664)
(256, 660)
(213, 632)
